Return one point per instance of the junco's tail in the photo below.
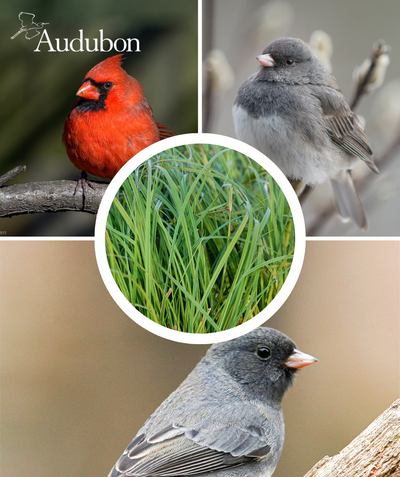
(348, 203)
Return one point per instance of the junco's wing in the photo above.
(346, 131)
(189, 450)
(344, 128)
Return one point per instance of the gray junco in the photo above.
(293, 111)
(225, 419)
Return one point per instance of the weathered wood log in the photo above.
(373, 453)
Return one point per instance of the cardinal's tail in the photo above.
(164, 132)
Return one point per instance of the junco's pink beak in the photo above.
(298, 359)
(266, 60)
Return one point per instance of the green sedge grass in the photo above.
(200, 238)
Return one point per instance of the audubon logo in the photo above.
(28, 26)
(101, 43)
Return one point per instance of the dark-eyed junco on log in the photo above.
(225, 419)
(293, 111)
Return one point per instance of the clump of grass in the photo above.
(200, 238)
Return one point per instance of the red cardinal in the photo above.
(110, 122)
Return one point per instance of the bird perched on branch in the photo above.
(225, 419)
(110, 122)
(293, 111)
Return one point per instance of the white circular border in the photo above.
(269, 310)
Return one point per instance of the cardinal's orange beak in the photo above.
(88, 91)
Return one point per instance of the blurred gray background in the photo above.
(38, 88)
(79, 378)
(240, 30)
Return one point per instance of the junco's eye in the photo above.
(108, 85)
(263, 353)
(289, 61)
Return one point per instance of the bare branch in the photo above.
(51, 196)
(8, 176)
(374, 453)
(371, 73)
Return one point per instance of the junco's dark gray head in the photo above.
(291, 61)
(263, 361)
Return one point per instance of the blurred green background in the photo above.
(38, 88)
(241, 30)
(79, 378)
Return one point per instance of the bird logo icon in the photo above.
(28, 26)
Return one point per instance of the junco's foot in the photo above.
(225, 419)
(293, 111)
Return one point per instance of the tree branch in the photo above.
(51, 196)
(371, 77)
(8, 176)
(374, 453)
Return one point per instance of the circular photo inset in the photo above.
(199, 239)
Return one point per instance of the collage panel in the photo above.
(80, 378)
(84, 90)
(315, 87)
(199, 238)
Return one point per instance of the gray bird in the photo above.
(225, 419)
(293, 111)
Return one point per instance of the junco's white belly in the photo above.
(289, 149)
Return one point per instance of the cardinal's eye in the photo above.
(263, 353)
(108, 85)
(289, 61)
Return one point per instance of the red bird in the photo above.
(110, 122)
